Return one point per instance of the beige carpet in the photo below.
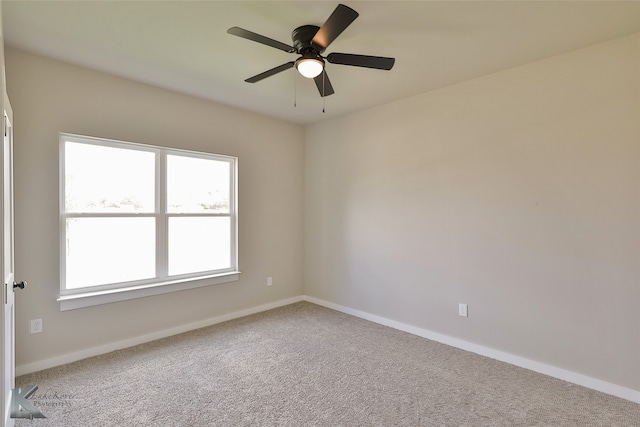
(305, 365)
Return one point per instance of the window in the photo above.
(139, 220)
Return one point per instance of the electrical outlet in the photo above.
(269, 281)
(462, 310)
(35, 326)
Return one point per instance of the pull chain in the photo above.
(324, 75)
(295, 90)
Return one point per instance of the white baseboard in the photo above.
(552, 371)
(563, 374)
(28, 368)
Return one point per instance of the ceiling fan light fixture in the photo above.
(309, 42)
(310, 67)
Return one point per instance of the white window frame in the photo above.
(70, 299)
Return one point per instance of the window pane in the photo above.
(197, 185)
(109, 250)
(108, 179)
(199, 244)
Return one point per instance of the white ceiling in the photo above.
(183, 45)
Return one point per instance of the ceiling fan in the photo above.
(309, 41)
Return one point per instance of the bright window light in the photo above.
(135, 216)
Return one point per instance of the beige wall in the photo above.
(517, 193)
(49, 97)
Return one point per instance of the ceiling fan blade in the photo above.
(270, 72)
(339, 20)
(246, 34)
(324, 84)
(377, 62)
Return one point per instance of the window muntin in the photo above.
(137, 215)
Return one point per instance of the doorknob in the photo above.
(20, 285)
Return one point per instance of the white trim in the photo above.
(130, 342)
(552, 371)
(88, 299)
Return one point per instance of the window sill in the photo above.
(72, 302)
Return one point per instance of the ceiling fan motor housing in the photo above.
(302, 37)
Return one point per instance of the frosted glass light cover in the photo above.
(309, 67)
